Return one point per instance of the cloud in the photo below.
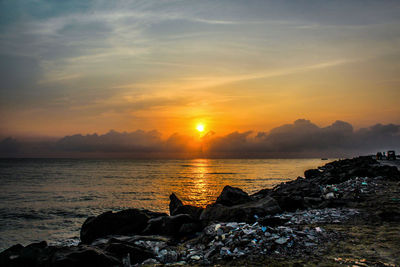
(299, 139)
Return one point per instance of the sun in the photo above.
(200, 127)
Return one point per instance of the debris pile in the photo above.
(314, 216)
(353, 188)
(234, 240)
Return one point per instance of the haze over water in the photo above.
(49, 199)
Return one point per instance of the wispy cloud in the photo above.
(213, 81)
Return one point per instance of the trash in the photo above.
(263, 228)
(166, 256)
(281, 240)
(195, 257)
(150, 262)
(225, 251)
(330, 195)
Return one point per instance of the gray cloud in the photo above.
(299, 139)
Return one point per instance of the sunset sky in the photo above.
(70, 67)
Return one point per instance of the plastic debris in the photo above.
(281, 240)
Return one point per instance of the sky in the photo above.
(85, 67)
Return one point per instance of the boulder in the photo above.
(388, 172)
(240, 213)
(9, 256)
(83, 256)
(130, 221)
(193, 211)
(231, 196)
(273, 221)
(312, 173)
(176, 207)
(35, 254)
(290, 202)
(290, 195)
(168, 225)
(174, 203)
(121, 249)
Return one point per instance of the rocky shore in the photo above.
(344, 213)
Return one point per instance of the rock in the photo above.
(290, 203)
(83, 256)
(150, 262)
(389, 215)
(281, 240)
(174, 203)
(167, 256)
(240, 213)
(312, 173)
(35, 254)
(273, 221)
(231, 196)
(169, 225)
(193, 211)
(330, 195)
(387, 172)
(121, 249)
(130, 221)
(189, 228)
(176, 207)
(290, 196)
(8, 256)
(312, 202)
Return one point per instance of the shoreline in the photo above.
(303, 221)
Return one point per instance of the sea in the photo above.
(49, 199)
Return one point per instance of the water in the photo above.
(49, 199)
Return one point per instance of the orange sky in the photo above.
(70, 69)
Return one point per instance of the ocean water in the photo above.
(49, 199)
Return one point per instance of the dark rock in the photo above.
(167, 225)
(388, 172)
(240, 213)
(83, 256)
(35, 254)
(312, 173)
(190, 228)
(290, 203)
(231, 196)
(131, 221)
(13, 250)
(273, 221)
(11, 257)
(290, 196)
(176, 207)
(261, 194)
(389, 216)
(312, 202)
(174, 203)
(121, 249)
(193, 211)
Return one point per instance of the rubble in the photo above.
(233, 240)
(353, 188)
(314, 216)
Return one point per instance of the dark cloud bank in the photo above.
(300, 139)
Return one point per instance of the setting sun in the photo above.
(200, 127)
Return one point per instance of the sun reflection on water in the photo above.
(200, 188)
